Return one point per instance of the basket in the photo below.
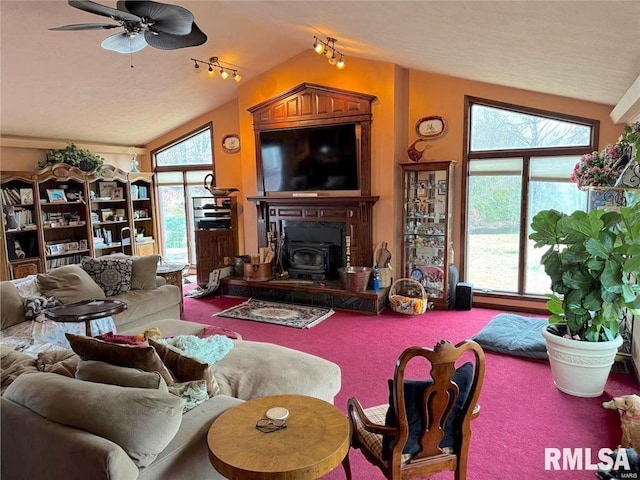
(408, 305)
(386, 273)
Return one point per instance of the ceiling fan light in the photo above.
(237, 77)
(340, 63)
(224, 74)
(211, 72)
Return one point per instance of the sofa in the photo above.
(57, 426)
(147, 296)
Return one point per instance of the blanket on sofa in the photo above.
(207, 350)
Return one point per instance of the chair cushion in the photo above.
(373, 441)
(514, 335)
(143, 356)
(69, 284)
(141, 421)
(413, 395)
(112, 274)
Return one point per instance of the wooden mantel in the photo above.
(355, 211)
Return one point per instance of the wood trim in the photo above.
(308, 105)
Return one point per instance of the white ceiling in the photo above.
(62, 85)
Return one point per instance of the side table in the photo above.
(172, 273)
(85, 311)
(315, 441)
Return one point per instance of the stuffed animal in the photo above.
(629, 408)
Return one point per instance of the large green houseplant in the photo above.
(592, 259)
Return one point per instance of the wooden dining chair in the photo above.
(426, 427)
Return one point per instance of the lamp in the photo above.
(215, 63)
(328, 48)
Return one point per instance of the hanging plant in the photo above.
(72, 155)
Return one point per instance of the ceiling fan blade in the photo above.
(167, 18)
(167, 41)
(123, 43)
(103, 10)
(86, 26)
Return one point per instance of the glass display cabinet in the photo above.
(427, 226)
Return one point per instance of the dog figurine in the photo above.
(629, 408)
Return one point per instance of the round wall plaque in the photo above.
(431, 127)
(231, 143)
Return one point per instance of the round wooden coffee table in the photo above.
(316, 440)
(85, 311)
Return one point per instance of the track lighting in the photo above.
(328, 48)
(215, 63)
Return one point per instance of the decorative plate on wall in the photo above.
(231, 143)
(431, 127)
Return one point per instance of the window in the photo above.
(518, 162)
(181, 167)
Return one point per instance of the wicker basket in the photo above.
(408, 305)
(386, 273)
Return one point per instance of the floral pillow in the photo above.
(35, 306)
(113, 275)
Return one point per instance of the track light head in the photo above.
(333, 60)
(340, 63)
(224, 74)
(196, 67)
(236, 77)
(211, 72)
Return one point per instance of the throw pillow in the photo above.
(69, 284)
(142, 356)
(12, 311)
(35, 306)
(141, 421)
(194, 393)
(185, 368)
(143, 273)
(121, 339)
(112, 274)
(413, 395)
(101, 372)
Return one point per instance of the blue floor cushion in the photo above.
(514, 335)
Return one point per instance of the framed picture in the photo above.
(442, 187)
(26, 196)
(117, 193)
(231, 143)
(106, 214)
(56, 195)
(104, 188)
(82, 244)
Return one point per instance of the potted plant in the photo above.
(592, 259)
(72, 155)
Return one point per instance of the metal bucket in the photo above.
(355, 279)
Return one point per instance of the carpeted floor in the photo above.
(522, 412)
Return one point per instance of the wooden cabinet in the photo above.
(142, 196)
(110, 212)
(212, 246)
(216, 223)
(427, 226)
(60, 214)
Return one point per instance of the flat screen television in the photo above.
(311, 158)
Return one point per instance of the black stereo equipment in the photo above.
(464, 296)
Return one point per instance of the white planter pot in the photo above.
(580, 368)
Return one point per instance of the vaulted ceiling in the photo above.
(62, 85)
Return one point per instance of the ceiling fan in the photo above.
(163, 26)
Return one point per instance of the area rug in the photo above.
(296, 316)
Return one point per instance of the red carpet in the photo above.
(522, 411)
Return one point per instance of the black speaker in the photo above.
(464, 296)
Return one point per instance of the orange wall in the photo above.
(362, 76)
(403, 97)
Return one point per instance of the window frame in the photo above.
(526, 154)
(209, 168)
